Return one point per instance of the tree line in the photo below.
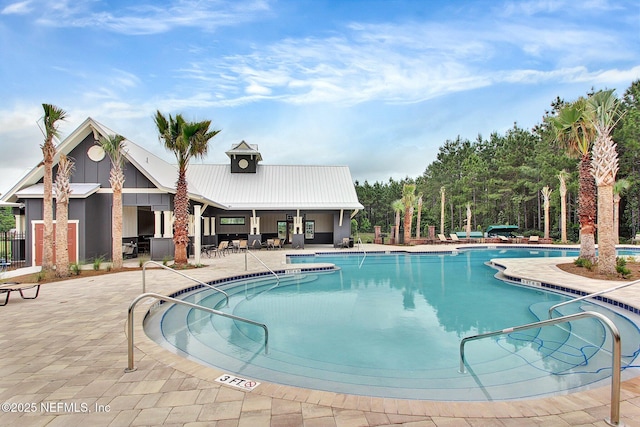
(501, 178)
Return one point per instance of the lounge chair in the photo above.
(221, 249)
(636, 239)
(7, 288)
(504, 239)
(443, 239)
(534, 239)
(207, 250)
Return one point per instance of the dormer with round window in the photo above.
(244, 158)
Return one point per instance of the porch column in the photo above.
(207, 223)
(197, 221)
(255, 225)
(213, 225)
(19, 224)
(157, 224)
(191, 227)
(168, 223)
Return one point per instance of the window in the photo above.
(309, 229)
(232, 220)
(282, 229)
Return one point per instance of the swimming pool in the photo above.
(390, 325)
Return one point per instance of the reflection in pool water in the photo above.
(391, 326)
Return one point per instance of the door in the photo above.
(72, 241)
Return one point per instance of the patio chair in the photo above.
(221, 249)
(443, 239)
(207, 249)
(636, 239)
(534, 239)
(345, 243)
(7, 288)
(4, 265)
(277, 243)
(242, 245)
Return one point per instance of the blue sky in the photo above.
(375, 85)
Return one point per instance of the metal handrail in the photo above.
(144, 269)
(616, 345)
(131, 368)
(260, 261)
(365, 252)
(595, 294)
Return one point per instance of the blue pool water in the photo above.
(390, 325)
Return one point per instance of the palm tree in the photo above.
(603, 110)
(52, 115)
(113, 146)
(419, 218)
(442, 194)
(574, 131)
(618, 188)
(546, 194)
(468, 225)
(398, 208)
(562, 177)
(63, 190)
(186, 140)
(408, 202)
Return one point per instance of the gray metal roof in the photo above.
(78, 191)
(277, 187)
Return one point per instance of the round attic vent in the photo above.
(95, 153)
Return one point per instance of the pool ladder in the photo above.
(614, 419)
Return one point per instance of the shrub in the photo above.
(621, 267)
(584, 263)
(97, 262)
(75, 268)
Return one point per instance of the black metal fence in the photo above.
(12, 249)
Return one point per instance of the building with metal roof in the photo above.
(244, 199)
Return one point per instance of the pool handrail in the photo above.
(260, 261)
(365, 252)
(130, 341)
(144, 269)
(616, 345)
(595, 294)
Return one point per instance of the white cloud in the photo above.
(146, 19)
(19, 8)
